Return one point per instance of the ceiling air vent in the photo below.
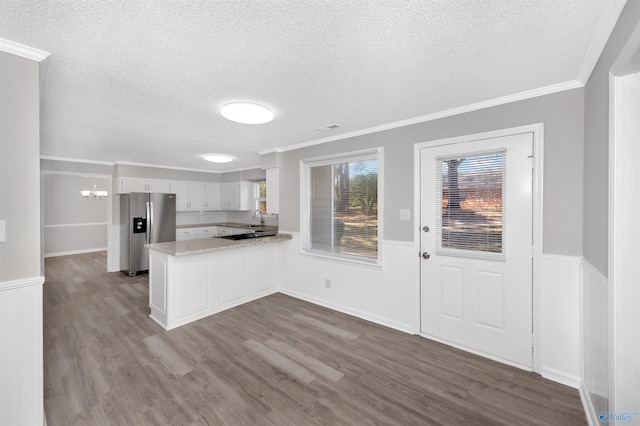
(328, 127)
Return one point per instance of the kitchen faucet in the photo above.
(261, 216)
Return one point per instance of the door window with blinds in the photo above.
(340, 206)
(471, 213)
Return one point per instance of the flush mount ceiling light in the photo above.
(217, 158)
(247, 113)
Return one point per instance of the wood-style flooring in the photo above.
(274, 361)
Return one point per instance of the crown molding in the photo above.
(23, 50)
(76, 160)
(529, 94)
(160, 166)
(599, 41)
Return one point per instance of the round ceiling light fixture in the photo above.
(218, 158)
(247, 113)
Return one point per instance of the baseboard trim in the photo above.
(21, 283)
(589, 410)
(68, 253)
(353, 312)
(479, 353)
(560, 377)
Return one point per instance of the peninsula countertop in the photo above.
(208, 245)
(230, 225)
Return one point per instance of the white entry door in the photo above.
(476, 243)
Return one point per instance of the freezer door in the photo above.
(163, 218)
(138, 253)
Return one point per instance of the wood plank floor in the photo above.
(274, 361)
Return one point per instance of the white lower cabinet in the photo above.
(186, 288)
(196, 233)
(184, 234)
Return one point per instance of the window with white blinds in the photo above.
(471, 216)
(340, 206)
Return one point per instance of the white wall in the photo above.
(595, 340)
(386, 296)
(21, 371)
(558, 318)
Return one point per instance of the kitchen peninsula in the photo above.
(189, 280)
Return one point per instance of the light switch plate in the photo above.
(405, 214)
(3, 231)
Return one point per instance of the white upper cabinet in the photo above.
(212, 196)
(181, 189)
(196, 196)
(129, 184)
(237, 195)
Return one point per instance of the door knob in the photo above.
(425, 255)
(425, 228)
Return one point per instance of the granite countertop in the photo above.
(208, 245)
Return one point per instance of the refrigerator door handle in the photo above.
(152, 223)
(149, 222)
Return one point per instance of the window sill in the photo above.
(351, 260)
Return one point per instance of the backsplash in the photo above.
(194, 218)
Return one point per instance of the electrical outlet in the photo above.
(3, 231)
(327, 283)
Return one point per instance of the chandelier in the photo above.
(94, 194)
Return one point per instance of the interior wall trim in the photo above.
(349, 311)
(23, 50)
(599, 41)
(20, 283)
(83, 251)
(529, 94)
(589, 410)
(73, 225)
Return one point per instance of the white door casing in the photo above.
(482, 302)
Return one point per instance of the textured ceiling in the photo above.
(142, 81)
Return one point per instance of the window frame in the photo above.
(305, 204)
(257, 199)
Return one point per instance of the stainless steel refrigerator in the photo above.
(145, 219)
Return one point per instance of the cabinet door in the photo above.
(212, 196)
(246, 196)
(181, 189)
(129, 184)
(196, 196)
(230, 196)
(158, 185)
(185, 234)
(207, 232)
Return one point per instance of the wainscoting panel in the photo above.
(558, 319)
(21, 374)
(595, 341)
(386, 296)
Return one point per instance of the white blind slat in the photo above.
(343, 206)
(471, 211)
